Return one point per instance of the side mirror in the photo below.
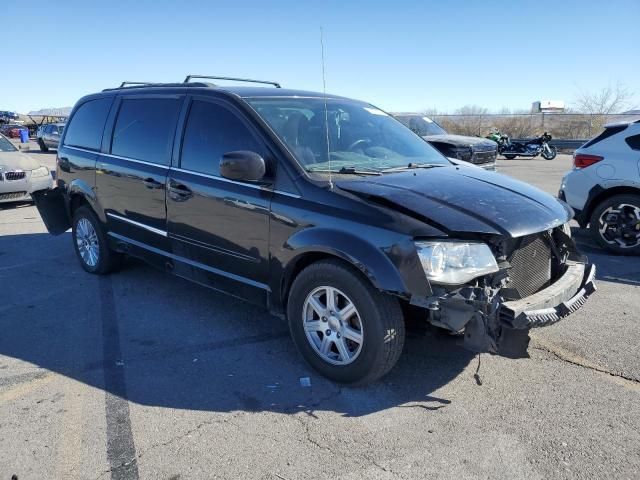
(242, 165)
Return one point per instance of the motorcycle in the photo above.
(531, 148)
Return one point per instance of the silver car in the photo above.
(20, 174)
(604, 187)
(49, 136)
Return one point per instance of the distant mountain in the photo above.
(64, 111)
(632, 112)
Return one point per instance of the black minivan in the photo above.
(322, 209)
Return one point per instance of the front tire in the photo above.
(43, 146)
(615, 224)
(509, 157)
(344, 328)
(91, 245)
(551, 155)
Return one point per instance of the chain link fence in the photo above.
(562, 126)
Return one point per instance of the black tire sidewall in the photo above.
(594, 223)
(43, 147)
(355, 288)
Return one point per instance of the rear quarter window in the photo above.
(87, 124)
(145, 128)
(633, 142)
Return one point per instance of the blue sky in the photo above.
(399, 55)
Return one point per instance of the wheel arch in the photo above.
(599, 195)
(81, 193)
(387, 269)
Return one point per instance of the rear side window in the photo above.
(633, 142)
(608, 132)
(87, 124)
(212, 130)
(144, 129)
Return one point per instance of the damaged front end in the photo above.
(541, 278)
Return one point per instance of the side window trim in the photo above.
(107, 141)
(63, 140)
(191, 99)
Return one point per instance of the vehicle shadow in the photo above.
(158, 340)
(14, 205)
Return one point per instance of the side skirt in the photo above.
(239, 287)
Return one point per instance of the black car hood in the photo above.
(465, 200)
(461, 141)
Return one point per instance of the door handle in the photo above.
(179, 191)
(151, 183)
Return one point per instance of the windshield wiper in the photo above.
(411, 166)
(347, 171)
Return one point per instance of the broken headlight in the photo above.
(455, 263)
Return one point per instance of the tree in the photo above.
(611, 99)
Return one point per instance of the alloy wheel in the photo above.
(87, 242)
(620, 225)
(333, 325)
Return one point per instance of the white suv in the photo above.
(604, 187)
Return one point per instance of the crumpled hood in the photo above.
(17, 161)
(466, 200)
(462, 141)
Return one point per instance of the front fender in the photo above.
(393, 268)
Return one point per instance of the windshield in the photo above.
(361, 137)
(422, 125)
(6, 145)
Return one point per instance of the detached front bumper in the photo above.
(555, 302)
(503, 327)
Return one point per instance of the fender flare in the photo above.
(600, 191)
(394, 269)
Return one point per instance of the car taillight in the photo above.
(582, 160)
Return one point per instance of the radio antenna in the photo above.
(326, 112)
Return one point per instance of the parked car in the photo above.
(475, 150)
(20, 174)
(604, 187)
(320, 208)
(7, 116)
(49, 136)
(12, 130)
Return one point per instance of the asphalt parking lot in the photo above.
(143, 375)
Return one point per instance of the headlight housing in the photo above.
(455, 262)
(39, 172)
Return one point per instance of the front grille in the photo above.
(530, 269)
(484, 157)
(12, 195)
(14, 175)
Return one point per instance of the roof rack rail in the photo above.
(189, 77)
(124, 84)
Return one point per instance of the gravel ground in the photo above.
(143, 375)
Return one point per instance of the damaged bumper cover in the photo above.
(504, 328)
(553, 303)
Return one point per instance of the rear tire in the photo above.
(509, 157)
(376, 318)
(615, 224)
(43, 146)
(91, 244)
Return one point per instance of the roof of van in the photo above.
(243, 92)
